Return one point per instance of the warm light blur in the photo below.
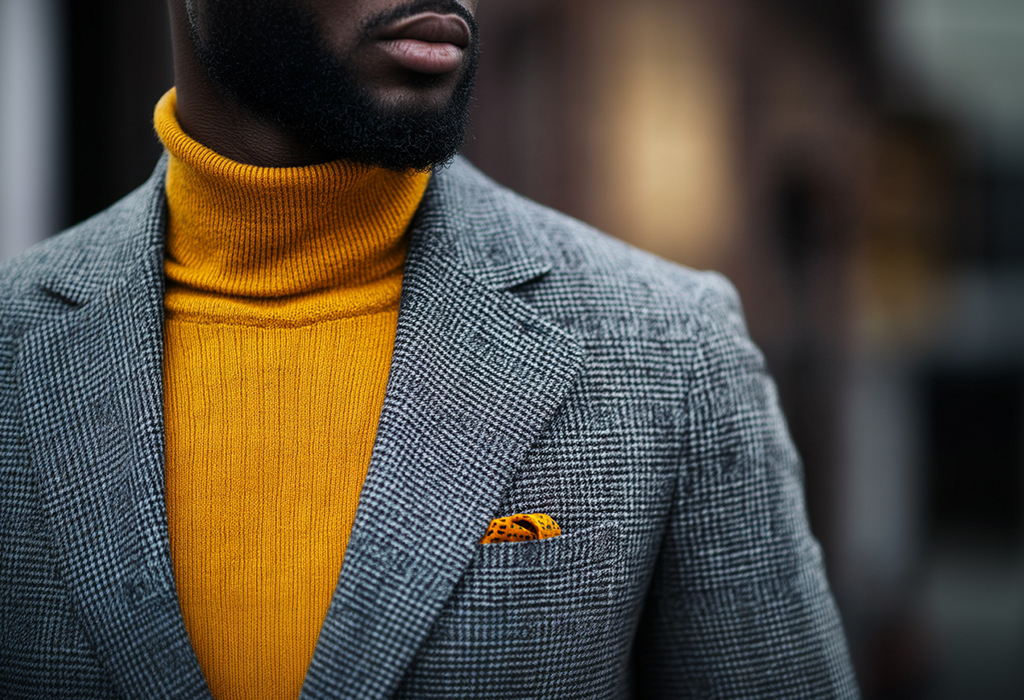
(664, 134)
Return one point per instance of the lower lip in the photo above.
(424, 56)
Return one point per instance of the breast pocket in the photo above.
(527, 620)
(531, 588)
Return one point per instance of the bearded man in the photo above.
(320, 410)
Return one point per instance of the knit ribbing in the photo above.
(281, 246)
(281, 307)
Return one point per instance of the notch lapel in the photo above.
(476, 375)
(91, 388)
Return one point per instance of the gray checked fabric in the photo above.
(539, 366)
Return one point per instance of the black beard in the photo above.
(269, 58)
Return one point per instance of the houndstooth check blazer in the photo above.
(539, 366)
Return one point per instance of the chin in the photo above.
(415, 93)
(412, 102)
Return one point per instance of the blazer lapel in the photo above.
(476, 375)
(91, 385)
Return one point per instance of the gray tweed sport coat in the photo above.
(539, 366)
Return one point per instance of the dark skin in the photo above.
(215, 121)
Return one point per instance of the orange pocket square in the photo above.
(520, 527)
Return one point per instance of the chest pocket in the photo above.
(525, 587)
(528, 619)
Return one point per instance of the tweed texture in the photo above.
(539, 367)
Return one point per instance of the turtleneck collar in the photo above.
(293, 245)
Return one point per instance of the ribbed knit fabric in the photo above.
(281, 307)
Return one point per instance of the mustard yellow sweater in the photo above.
(281, 307)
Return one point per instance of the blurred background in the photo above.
(855, 166)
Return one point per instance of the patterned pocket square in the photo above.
(520, 527)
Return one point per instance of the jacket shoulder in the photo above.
(593, 270)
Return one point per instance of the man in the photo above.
(263, 422)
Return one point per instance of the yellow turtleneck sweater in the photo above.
(281, 307)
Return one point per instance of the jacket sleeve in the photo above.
(739, 605)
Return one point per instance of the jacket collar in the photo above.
(477, 224)
(482, 227)
(476, 375)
